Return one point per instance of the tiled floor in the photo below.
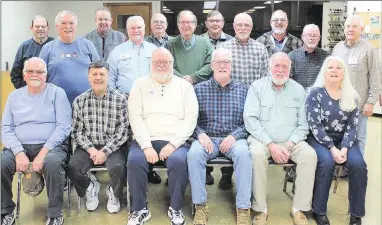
(221, 203)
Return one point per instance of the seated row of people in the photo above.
(271, 118)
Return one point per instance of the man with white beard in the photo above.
(307, 60)
(279, 40)
(274, 116)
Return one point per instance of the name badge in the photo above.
(352, 61)
(152, 92)
(123, 56)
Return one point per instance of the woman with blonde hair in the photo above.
(332, 114)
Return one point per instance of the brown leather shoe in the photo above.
(260, 219)
(299, 218)
(243, 216)
(201, 214)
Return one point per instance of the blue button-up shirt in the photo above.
(221, 109)
(127, 62)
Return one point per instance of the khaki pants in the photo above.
(306, 159)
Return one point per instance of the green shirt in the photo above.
(195, 61)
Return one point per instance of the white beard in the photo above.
(35, 83)
(279, 82)
(277, 30)
(161, 78)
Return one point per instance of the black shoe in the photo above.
(225, 182)
(153, 177)
(59, 220)
(209, 179)
(7, 219)
(321, 220)
(355, 220)
(167, 182)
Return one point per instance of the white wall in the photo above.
(16, 17)
(364, 6)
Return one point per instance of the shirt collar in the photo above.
(102, 97)
(238, 42)
(354, 45)
(282, 40)
(273, 86)
(229, 86)
(192, 40)
(307, 53)
(165, 37)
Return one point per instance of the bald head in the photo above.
(242, 16)
(162, 65)
(243, 26)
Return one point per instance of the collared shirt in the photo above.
(44, 118)
(306, 66)
(364, 67)
(250, 60)
(276, 116)
(291, 43)
(106, 44)
(221, 109)
(279, 44)
(127, 62)
(158, 42)
(191, 41)
(215, 42)
(100, 120)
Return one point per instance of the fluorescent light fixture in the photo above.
(165, 7)
(269, 2)
(207, 10)
(168, 12)
(251, 10)
(209, 5)
(259, 7)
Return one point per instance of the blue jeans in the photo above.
(137, 168)
(239, 153)
(361, 135)
(324, 174)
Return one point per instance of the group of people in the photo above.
(186, 100)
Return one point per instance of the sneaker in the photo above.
(243, 216)
(225, 182)
(209, 178)
(7, 219)
(299, 218)
(176, 217)
(260, 219)
(92, 200)
(59, 220)
(139, 217)
(113, 205)
(153, 177)
(201, 214)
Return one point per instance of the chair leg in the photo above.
(18, 194)
(294, 183)
(128, 196)
(69, 194)
(192, 209)
(286, 178)
(337, 179)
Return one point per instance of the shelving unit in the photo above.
(334, 16)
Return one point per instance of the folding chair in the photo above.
(339, 171)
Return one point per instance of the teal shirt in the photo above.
(276, 116)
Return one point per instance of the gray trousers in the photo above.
(53, 170)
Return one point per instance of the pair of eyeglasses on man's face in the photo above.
(159, 62)
(38, 72)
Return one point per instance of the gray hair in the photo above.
(242, 14)
(164, 50)
(223, 50)
(99, 64)
(35, 59)
(349, 94)
(40, 17)
(157, 14)
(310, 26)
(57, 20)
(213, 13)
(270, 62)
(187, 11)
(104, 9)
(134, 18)
(354, 17)
(279, 10)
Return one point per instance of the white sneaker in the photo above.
(139, 217)
(92, 200)
(113, 205)
(176, 217)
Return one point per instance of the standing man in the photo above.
(104, 37)
(158, 27)
(250, 57)
(35, 128)
(99, 130)
(364, 66)
(274, 115)
(30, 48)
(129, 61)
(279, 40)
(215, 24)
(68, 57)
(307, 60)
(163, 111)
(192, 53)
(220, 131)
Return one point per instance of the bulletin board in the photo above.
(372, 27)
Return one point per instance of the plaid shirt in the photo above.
(221, 109)
(306, 66)
(100, 120)
(292, 43)
(159, 43)
(250, 60)
(215, 42)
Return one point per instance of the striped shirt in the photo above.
(100, 120)
(250, 60)
(306, 66)
(221, 109)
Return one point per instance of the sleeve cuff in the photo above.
(145, 145)
(106, 150)
(176, 144)
(17, 149)
(49, 145)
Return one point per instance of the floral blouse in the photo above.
(327, 122)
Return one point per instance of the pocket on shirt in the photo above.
(291, 111)
(264, 111)
(125, 67)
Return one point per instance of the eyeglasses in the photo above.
(215, 21)
(282, 20)
(241, 25)
(160, 22)
(224, 62)
(38, 72)
(158, 62)
(186, 22)
(312, 36)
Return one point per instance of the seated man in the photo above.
(221, 130)
(99, 130)
(274, 115)
(36, 127)
(163, 111)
